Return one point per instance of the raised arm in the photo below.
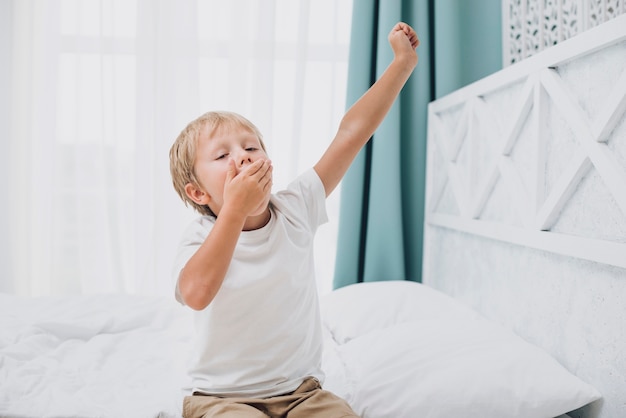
(363, 118)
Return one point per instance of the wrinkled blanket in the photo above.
(92, 356)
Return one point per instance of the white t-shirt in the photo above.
(261, 334)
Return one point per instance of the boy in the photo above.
(246, 267)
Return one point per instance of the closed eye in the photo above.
(251, 149)
(221, 157)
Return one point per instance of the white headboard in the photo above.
(526, 204)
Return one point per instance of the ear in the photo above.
(195, 193)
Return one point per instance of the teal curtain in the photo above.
(382, 195)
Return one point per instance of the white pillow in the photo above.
(354, 310)
(451, 368)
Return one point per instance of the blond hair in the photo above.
(183, 151)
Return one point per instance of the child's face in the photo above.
(213, 155)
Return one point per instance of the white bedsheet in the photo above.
(111, 356)
(122, 356)
(98, 356)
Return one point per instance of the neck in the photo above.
(257, 221)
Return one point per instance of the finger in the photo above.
(264, 169)
(408, 31)
(412, 35)
(254, 167)
(258, 170)
(267, 180)
(266, 183)
(232, 171)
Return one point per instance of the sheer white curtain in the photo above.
(97, 91)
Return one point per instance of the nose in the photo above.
(242, 158)
(241, 161)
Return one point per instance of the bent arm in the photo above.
(363, 118)
(201, 278)
(203, 275)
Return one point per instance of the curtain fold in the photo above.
(380, 234)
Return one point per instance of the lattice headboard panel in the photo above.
(537, 155)
(526, 204)
(530, 26)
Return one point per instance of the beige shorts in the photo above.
(308, 401)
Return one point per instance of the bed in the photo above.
(521, 309)
(419, 353)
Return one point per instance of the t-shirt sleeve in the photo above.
(306, 196)
(192, 239)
